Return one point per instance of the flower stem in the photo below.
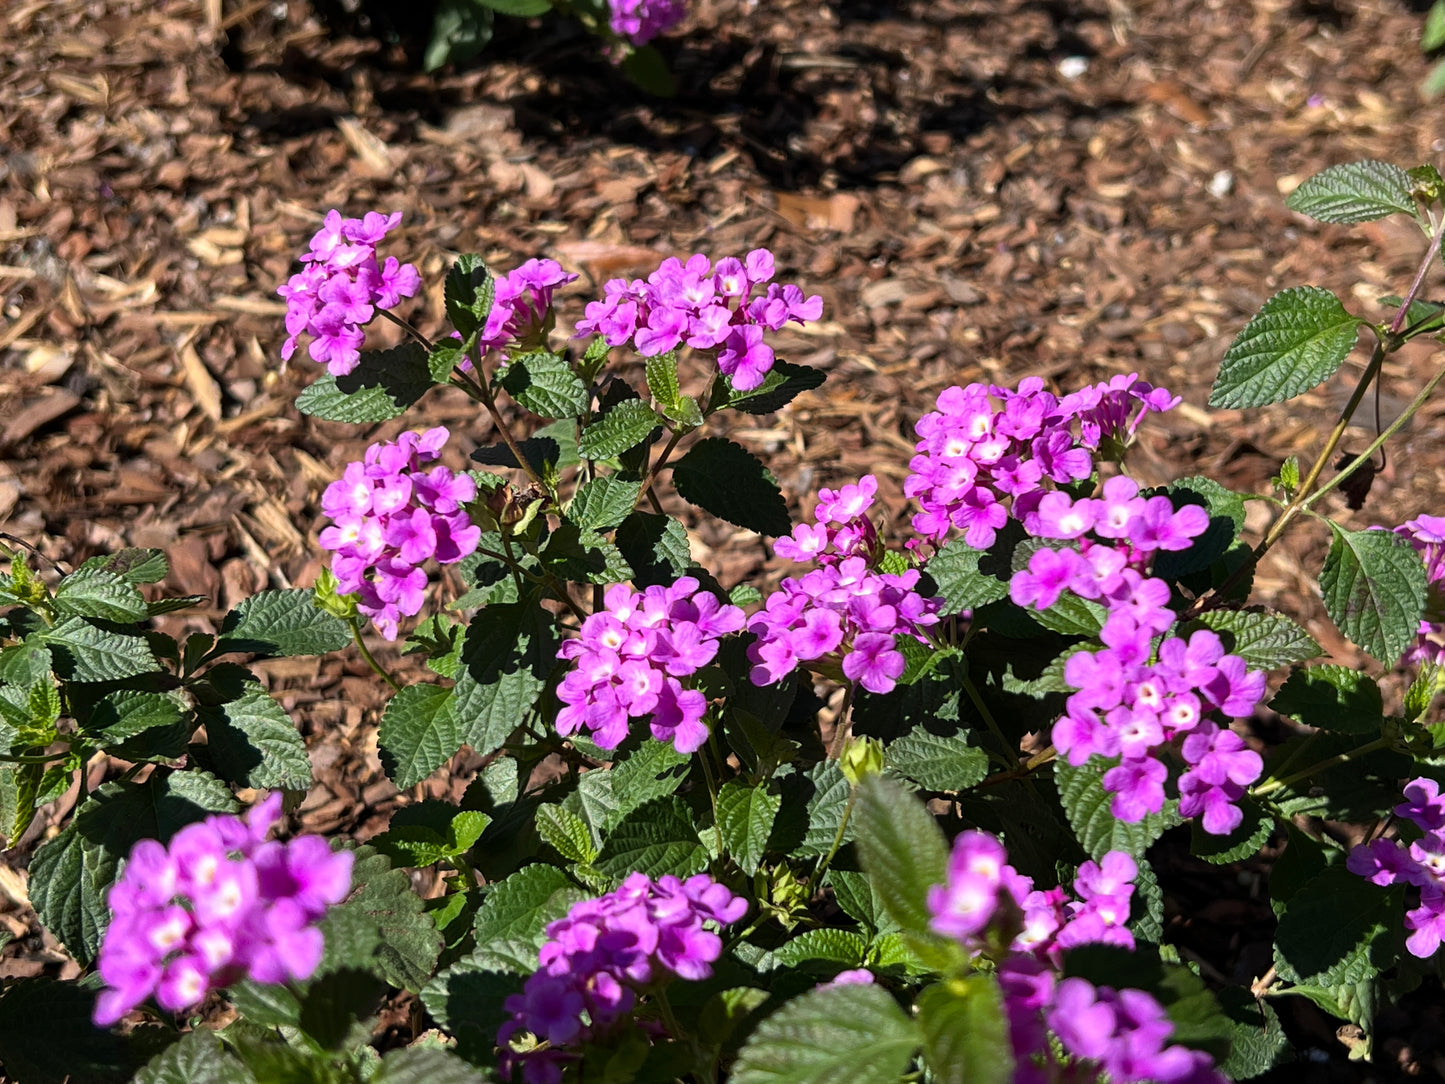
(407, 326)
(822, 867)
(1269, 786)
(371, 659)
(1011, 750)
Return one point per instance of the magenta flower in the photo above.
(218, 905)
(600, 957)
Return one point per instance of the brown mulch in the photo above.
(978, 190)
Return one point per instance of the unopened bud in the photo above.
(861, 758)
(329, 600)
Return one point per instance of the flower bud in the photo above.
(861, 758)
(327, 598)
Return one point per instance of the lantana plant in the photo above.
(685, 858)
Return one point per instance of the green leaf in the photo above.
(965, 1032)
(783, 383)
(827, 805)
(1244, 842)
(444, 359)
(661, 375)
(1086, 804)
(625, 426)
(520, 8)
(252, 742)
(521, 906)
(1264, 641)
(745, 815)
(1374, 588)
(429, 832)
(507, 654)
(1072, 616)
(901, 848)
(602, 503)
(943, 762)
(1295, 342)
(960, 581)
(1354, 192)
(1332, 698)
(98, 593)
(460, 30)
(427, 1065)
(837, 1035)
(383, 385)
(655, 546)
(419, 733)
(409, 941)
(29, 661)
(583, 556)
(1256, 1038)
(1337, 928)
(653, 770)
(541, 454)
(469, 287)
(728, 481)
(1433, 36)
(282, 623)
(566, 833)
(86, 652)
(131, 564)
(468, 999)
(71, 873)
(656, 838)
(545, 384)
(828, 946)
(46, 1035)
(645, 69)
(195, 1058)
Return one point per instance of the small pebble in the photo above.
(1071, 67)
(1221, 184)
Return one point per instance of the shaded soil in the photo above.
(978, 190)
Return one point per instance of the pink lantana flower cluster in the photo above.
(391, 516)
(217, 905)
(1427, 535)
(990, 907)
(340, 286)
(602, 955)
(1420, 864)
(706, 308)
(629, 660)
(1134, 705)
(639, 21)
(522, 306)
(984, 893)
(845, 606)
(985, 444)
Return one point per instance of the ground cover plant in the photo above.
(680, 860)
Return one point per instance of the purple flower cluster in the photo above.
(986, 443)
(991, 907)
(340, 287)
(841, 527)
(844, 607)
(706, 307)
(1427, 535)
(629, 659)
(1421, 864)
(606, 951)
(522, 305)
(218, 905)
(984, 893)
(1125, 1033)
(1130, 708)
(639, 21)
(391, 516)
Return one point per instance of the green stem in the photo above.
(712, 790)
(370, 658)
(5, 758)
(1039, 760)
(406, 326)
(1369, 453)
(822, 867)
(1385, 344)
(1013, 760)
(479, 390)
(1269, 786)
